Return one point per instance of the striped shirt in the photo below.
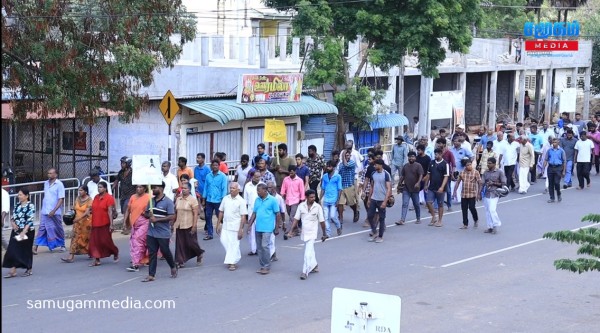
(347, 173)
(470, 181)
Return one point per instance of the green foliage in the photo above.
(589, 16)
(589, 241)
(83, 56)
(501, 22)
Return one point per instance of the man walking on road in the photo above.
(438, 174)
(331, 190)
(250, 196)
(470, 180)
(215, 189)
(568, 145)
(526, 162)
(232, 218)
(311, 215)
(399, 157)
(51, 232)
(508, 159)
(584, 150)
(492, 180)
(381, 190)
(266, 215)
(410, 185)
(556, 160)
(347, 172)
(292, 191)
(316, 165)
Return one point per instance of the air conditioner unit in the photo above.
(300, 135)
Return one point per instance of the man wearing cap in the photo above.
(399, 157)
(92, 184)
(460, 132)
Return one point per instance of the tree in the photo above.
(589, 17)
(588, 238)
(389, 29)
(65, 57)
(503, 17)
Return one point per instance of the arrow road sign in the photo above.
(169, 107)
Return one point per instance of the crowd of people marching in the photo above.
(299, 195)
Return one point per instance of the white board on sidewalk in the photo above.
(146, 170)
(363, 311)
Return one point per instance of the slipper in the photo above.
(173, 272)
(232, 268)
(67, 260)
(116, 259)
(400, 223)
(148, 279)
(356, 217)
(27, 273)
(208, 238)
(464, 227)
(95, 264)
(10, 275)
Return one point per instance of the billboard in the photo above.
(269, 88)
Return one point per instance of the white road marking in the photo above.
(505, 249)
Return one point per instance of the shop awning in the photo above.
(226, 110)
(389, 120)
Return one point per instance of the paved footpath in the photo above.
(450, 280)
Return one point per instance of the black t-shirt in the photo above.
(424, 161)
(437, 171)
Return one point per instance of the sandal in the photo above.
(148, 279)
(173, 272)
(199, 260)
(232, 268)
(464, 227)
(27, 273)
(208, 237)
(10, 275)
(116, 259)
(400, 222)
(94, 264)
(67, 260)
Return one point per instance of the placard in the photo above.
(568, 100)
(440, 105)
(362, 311)
(275, 131)
(146, 170)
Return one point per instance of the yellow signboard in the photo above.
(275, 131)
(169, 107)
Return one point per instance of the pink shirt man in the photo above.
(292, 189)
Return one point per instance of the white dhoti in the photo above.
(252, 238)
(272, 244)
(231, 243)
(310, 258)
(491, 215)
(523, 181)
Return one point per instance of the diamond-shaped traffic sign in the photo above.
(169, 107)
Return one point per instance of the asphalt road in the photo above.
(449, 280)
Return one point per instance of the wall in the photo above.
(147, 135)
(474, 104)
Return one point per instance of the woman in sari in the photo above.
(82, 225)
(137, 242)
(19, 253)
(186, 220)
(101, 243)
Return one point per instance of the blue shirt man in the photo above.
(331, 184)
(347, 171)
(200, 172)
(537, 141)
(556, 156)
(266, 215)
(459, 153)
(215, 189)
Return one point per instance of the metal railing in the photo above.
(37, 196)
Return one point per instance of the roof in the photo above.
(389, 120)
(7, 114)
(226, 110)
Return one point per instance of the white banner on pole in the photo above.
(440, 105)
(146, 170)
(568, 100)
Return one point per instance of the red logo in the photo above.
(551, 45)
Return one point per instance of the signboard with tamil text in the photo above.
(269, 88)
(551, 37)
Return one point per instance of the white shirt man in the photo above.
(232, 218)
(93, 186)
(311, 218)
(171, 184)
(250, 195)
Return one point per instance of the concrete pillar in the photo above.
(218, 47)
(574, 73)
(295, 50)
(549, 90)
(197, 50)
(424, 94)
(242, 48)
(400, 94)
(586, 92)
(538, 95)
(492, 110)
(271, 46)
(282, 48)
(252, 50)
(263, 50)
(462, 87)
(511, 95)
(232, 47)
(521, 101)
(204, 50)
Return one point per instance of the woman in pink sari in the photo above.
(139, 227)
